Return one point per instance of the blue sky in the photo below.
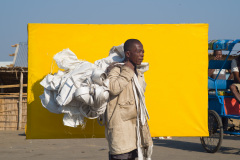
(223, 16)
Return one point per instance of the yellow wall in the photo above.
(176, 93)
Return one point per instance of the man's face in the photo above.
(136, 54)
(218, 54)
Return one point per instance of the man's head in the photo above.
(217, 54)
(134, 52)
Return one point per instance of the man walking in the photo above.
(127, 130)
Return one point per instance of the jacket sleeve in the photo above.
(119, 78)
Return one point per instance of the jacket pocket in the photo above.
(128, 110)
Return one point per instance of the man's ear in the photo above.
(127, 54)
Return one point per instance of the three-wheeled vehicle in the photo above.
(221, 103)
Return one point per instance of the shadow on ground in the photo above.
(195, 147)
(232, 137)
(189, 146)
(229, 150)
(22, 134)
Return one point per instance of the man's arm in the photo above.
(236, 77)
(235, 71)
(231, 75)
(210, 72)
(118, 80)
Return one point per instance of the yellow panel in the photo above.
(176, 93)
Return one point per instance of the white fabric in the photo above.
(52, 82)
(48, 101)
(81, 90)
(234, 67)
(141, 105)
(60, 89)
(143, 67)
(98, 76)
(141, 117)
(66, 59)
(116, 54)
(223, 71)
(65, 96)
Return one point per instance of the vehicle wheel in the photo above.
(212, 143)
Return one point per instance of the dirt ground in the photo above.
(14, 146)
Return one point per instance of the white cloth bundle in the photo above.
(81, 90)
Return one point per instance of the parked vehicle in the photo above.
(220, 99)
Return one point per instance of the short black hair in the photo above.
(129, 44)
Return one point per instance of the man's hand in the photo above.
(130, 65)
(216, 58)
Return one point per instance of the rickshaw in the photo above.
(221, 103)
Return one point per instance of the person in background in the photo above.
(235, 87)
(213, 74)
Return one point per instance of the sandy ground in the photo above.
(14, 146)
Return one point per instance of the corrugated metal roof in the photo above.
(5, 64)
(21, 57)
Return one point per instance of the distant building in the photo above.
(21, 55)
(6, 63)
(13, 89)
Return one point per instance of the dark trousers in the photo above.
(111, 158)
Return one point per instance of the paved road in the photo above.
(14, 146)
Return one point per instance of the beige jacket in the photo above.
(121, 112)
